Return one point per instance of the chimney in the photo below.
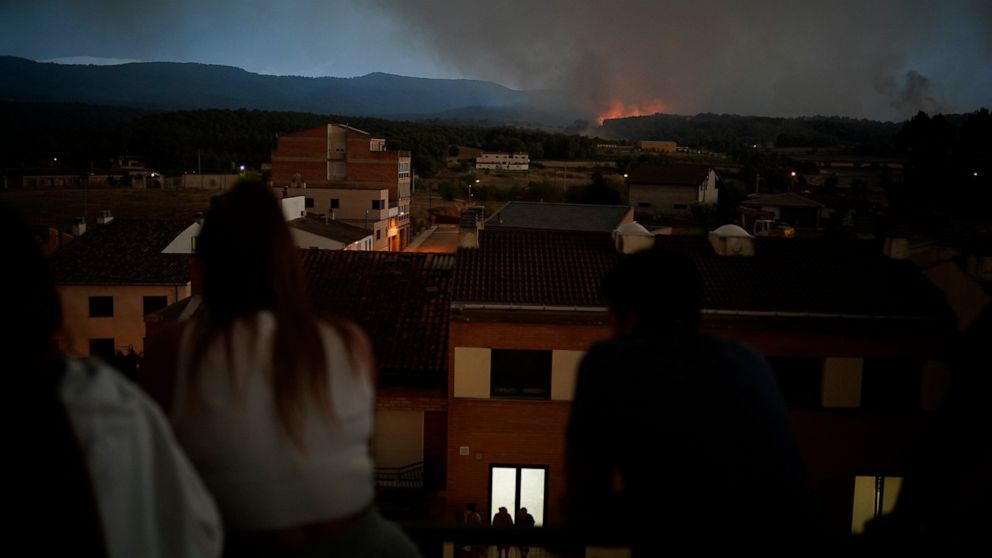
(468, 228)
(731, 240)
(104, 217)
(632, 237)
(78, 226)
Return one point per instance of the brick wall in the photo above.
(504, 432)
(836, 444)
(411, 400)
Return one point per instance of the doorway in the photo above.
(519, 486)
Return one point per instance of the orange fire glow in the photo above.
(617, 109)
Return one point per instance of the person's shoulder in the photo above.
(732, 350)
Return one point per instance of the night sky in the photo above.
(881, 59)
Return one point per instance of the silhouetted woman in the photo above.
(273, 405)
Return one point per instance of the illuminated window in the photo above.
(873, 496)
(520, 374)
(518, 486)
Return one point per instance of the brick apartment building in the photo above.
(348, 175)
(851, 335)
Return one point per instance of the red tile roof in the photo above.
(123, 252)
(402, 300)
(519, 267)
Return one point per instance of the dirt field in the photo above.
(57, 208)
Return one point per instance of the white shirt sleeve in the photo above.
(151, 501)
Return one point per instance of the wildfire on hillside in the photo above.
(617, 109)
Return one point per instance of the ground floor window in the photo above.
(519, 486)
(873, 496)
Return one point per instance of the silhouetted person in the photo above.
(502, 520)
(524, 521)
(54, 507)
(677, 440)
(273, 404)
(93, 469)
(473, 520)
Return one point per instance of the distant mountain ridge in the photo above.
(190, 86)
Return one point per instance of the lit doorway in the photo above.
(519, 486)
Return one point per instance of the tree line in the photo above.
(86, 136)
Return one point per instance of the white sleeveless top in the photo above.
(233, 435)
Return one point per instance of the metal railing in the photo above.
(407, 476)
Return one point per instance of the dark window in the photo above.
(680, 206)
(800, 378)
(376, 204)
(891, 384)
(103, 348)
(308, 202)
(335, 203)
(101, 307)
(378, 235)
(154, 303)
(520, 374)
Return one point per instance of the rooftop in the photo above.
(332, 229)
(559, 216)
(675, 175)
(123, 252)
(787, 199)
(787, 276)
(401, 299)
(547, 268)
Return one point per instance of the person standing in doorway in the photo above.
(502, 520)
(524, 521)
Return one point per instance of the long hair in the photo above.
(51, 464)
(250, 264)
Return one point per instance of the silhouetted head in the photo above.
(247, 254)
(32, 312)
(655, 289)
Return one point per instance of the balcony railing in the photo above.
(455, 541)
(408, 476)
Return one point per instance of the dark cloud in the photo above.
(758, 57)
(771, 57)
(912, 95)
